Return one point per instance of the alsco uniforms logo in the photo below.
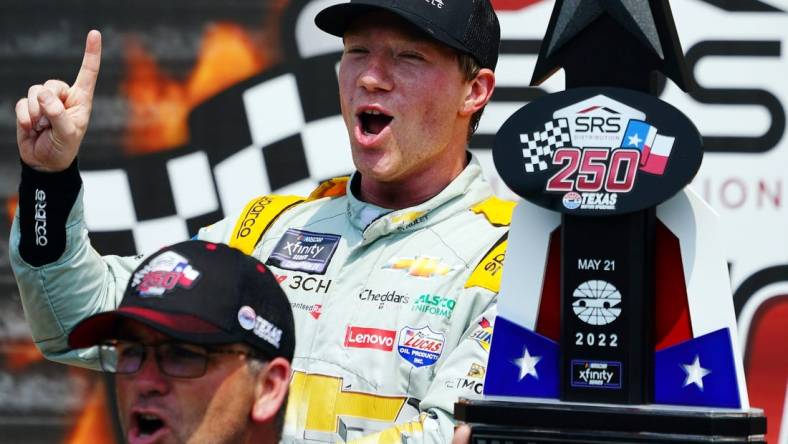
(434, 305)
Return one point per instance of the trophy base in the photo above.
(516, 422)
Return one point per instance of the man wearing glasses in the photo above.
(201, 347)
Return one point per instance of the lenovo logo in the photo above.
(362, 337)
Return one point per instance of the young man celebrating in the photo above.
(191, 366)
(392, 274)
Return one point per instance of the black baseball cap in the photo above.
(469, 26)
(202, 293)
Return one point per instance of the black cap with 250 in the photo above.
(202, 293)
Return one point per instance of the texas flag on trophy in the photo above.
(525, 363)
(699, 371)
(654, 148)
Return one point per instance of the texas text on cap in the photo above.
(201, 293)
(469, 26)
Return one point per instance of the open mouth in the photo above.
(149, 424)
(145, 427)
(374, 121)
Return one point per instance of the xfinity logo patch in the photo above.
(306, 251)
(596, 374)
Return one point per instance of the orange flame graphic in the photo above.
(94, 423)
(10, 207)
(160, 105)
(19, 356)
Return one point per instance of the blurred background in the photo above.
(202, 105)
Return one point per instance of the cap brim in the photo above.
(337, 18)
(182, 327)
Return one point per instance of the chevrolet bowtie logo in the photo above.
(420, 266)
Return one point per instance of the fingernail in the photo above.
(43, 122)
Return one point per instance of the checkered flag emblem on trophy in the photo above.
(540, 146)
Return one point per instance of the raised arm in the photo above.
(61, 278)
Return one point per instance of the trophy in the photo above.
(615, 315)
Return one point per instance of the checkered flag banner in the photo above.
(540, 146)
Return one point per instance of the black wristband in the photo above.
(45, 200)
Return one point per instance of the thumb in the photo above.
(462, 435)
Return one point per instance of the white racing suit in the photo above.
(393, 309)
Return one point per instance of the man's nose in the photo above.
(376, 75)
(149, 379)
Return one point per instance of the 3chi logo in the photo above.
(596, 302)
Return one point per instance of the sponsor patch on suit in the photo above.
(305, 251)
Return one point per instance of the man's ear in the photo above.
(479, 92)
(270, 390)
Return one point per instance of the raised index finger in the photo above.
(88, 73)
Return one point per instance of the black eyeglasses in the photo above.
(176, 359)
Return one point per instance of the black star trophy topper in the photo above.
(615, 316)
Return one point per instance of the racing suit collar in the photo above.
(467, 189)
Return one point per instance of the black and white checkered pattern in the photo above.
(539, 147)
(279, 132)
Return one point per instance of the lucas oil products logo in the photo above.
(374, 338)
(306, 251)
(596, 374)
(163, 273)
(420, 346)
(435, 305)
